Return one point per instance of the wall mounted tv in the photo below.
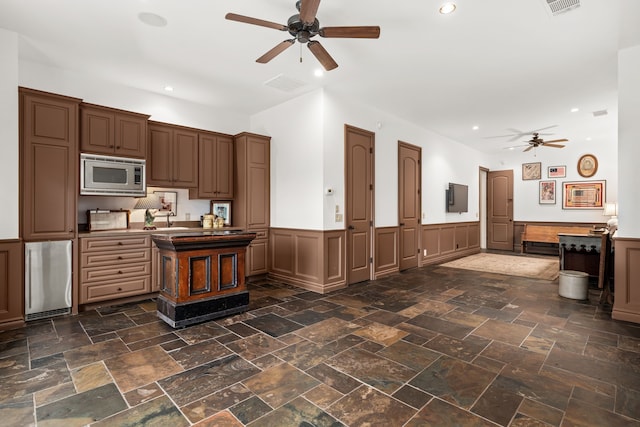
(457, 198)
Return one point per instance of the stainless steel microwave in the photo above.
(112, 176)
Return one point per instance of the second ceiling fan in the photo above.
(303, 26)
(536, 141)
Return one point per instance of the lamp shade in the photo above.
(610, 209)
(150, 201)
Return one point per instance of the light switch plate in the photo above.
(338, 217)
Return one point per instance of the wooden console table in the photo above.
(590, 253)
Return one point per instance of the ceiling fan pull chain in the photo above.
(300, 52)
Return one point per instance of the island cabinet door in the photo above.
(204, 274)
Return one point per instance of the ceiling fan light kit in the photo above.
(303, 27)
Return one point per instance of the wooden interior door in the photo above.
(359, 202)
(500, 210)
(409, 207)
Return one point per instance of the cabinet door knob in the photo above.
(119, 289)
(120, 243)
(119, 257)
(119, 271)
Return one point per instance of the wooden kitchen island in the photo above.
(202, 275)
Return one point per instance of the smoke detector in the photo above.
(557, 7)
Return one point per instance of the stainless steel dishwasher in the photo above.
(48, 279)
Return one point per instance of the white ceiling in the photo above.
(503, 65)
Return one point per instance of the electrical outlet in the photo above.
(187, 217)
(337, 208)
(338, 217)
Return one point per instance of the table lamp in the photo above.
(611, 209)
(150, 201)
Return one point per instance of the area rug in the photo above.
(536, 268)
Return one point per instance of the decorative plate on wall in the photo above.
(587, 165)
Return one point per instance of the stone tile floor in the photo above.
(434, 346)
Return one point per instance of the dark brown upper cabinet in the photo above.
(113, 132)
(215, 167)
(172, 156)
(48, 165)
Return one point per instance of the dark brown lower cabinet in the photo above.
(11, 285)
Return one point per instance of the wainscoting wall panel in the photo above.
(626, 303)
(310, 259)
(444, 242)
(386, 252)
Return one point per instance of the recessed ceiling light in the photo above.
(152, 19)
(575, 110)
(447, 8)
(475, 128)
(588, 138)
(168, 88)
(318, 72)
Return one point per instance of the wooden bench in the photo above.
(548, 233)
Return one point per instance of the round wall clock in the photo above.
(587, 165)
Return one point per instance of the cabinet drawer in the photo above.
(94, 274)
(95, 244)
(114, 289)
(260, 233)
(114, 258)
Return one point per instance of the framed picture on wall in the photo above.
(222, 210)
(547, 194)
(556, 171)
(531, 171)
(583, 194)
(169, 201)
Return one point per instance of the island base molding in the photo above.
(179, 315)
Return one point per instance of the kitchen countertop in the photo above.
(159, 230)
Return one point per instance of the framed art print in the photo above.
(556, 171)
(531, 171)
(583, 194)
(222, 210)
(547, 194)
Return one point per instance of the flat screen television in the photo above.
(457, 198)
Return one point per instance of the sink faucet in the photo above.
(170, 214)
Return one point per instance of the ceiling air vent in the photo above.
(561, 6)
(284, 83)
(600, 113)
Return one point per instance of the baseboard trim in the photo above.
(450, 256)
(310, 286)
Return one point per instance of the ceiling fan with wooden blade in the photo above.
(303, 26)
(536, 142)
(517, 134)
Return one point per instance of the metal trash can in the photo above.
(573, 284)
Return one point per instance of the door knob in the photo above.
(351, 227)
(402, 224)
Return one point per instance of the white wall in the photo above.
(308, 157)
(629, 144)
(9, 135)
(526, 193)
(297, 160)
(443, 161)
